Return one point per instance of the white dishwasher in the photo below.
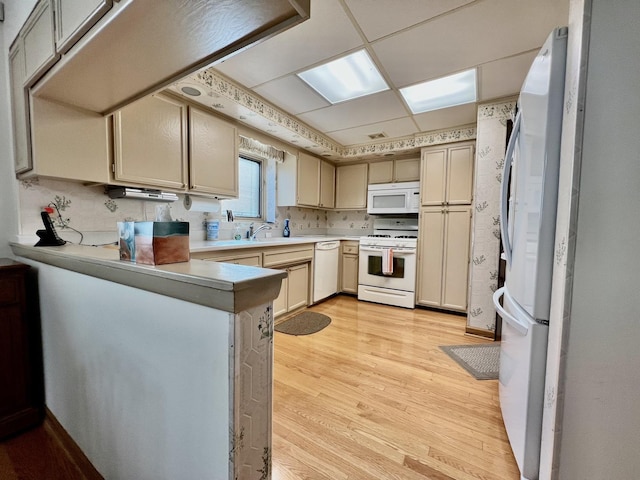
(325, 264)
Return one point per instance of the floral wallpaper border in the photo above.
(223, 86)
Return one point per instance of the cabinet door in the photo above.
(280, 303)
(460, 175)
(70, 143)
(406, 170)
(150, 143)
(351, 186)
(381, 172)
(433, 176)
(39, 42)
(19, 111)
(349, 273)
(308, 180)
(430, 256)
(75, 17)
(456, 258)
(327, 185)
(298, 288)
(213, 154)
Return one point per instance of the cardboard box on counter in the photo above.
(155, 243)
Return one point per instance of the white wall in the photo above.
(16, 12)
(143, 386)
(591, 424)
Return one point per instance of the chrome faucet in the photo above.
(253, 233)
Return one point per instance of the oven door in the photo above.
(403, 276)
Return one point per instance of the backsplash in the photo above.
(88, 210)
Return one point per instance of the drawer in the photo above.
(352, 249)
(252, 259)
(287, 256)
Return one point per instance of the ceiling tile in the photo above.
(400, 127)
(328, 33)
(292, 95)
(379, 18)
(476, 34)
(447, 117)
(361, 111)
(504, 77)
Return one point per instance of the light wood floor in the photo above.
(370, 397)
(373, 397)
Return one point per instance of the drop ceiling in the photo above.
(409, 40)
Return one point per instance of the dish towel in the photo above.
(387, 261)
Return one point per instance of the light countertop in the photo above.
(208, 246)
(227, 287)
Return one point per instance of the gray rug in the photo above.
(304, 323)
(481, 361)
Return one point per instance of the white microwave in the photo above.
(401, 197)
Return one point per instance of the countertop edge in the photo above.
(197, 246)
(226, 287)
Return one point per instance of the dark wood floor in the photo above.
(36, 455)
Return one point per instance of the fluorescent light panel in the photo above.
(444, 92)
(346, 78)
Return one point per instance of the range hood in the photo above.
(141, 194)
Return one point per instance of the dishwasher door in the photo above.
(325, 265)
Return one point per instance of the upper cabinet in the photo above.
(151, 143)
(161, 142)
(392, 171)
(19, 108)
(327, 185)
(38, 39)
(306, 181)
(351, 186)
(213, 154)
(447, 174)
(138, 47)
(75, 17)
(69, 143)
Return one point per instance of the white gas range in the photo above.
(387, 264)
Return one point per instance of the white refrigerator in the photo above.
(528, 220)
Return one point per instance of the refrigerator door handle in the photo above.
(519, 326)
(504, 200)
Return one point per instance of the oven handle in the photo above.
(398, 252)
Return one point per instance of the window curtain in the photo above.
(270, 155)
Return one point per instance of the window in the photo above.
(249, 201)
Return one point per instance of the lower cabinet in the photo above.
(349, 270)
(21, 381)
(294, 293)
(294, 259)
(443, 256)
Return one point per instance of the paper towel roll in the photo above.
(199, 204)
